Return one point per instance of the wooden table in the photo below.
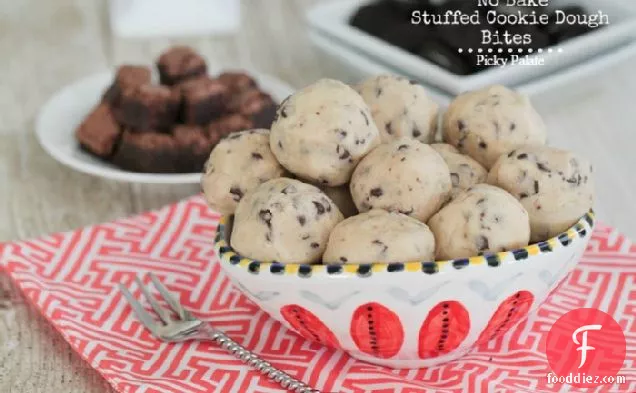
(45, 45)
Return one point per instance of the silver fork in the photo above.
(186, 327)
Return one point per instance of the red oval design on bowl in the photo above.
(509, 312)
(308, 325)
(376, 330)
(444, 329)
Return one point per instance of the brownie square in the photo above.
(193, 146)
(99, 132)
(146, 152)
(180, 63)
(148, 107)
(238, 82)
(127, 76)
(257, 106)
(204, 99)
(226, 125)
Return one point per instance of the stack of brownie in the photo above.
(171, 127)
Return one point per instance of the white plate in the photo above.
(361, 66)
(332, 19)
(60, 116)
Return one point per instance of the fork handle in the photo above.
(253, 360)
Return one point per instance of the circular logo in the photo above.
(586, 348)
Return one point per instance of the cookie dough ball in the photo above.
(404, 176)
(464, 171)
(555, 186)
(490, 122)
(400, 108)
(238, 164)
(341, 196)
(380, 236)
(481, 219)
(284, 220)
(322, 131)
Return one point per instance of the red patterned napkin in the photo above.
(72, 277)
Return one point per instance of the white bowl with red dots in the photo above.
(409, 314)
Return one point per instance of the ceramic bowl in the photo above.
(410, 314)
(331, 19)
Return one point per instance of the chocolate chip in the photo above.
(454, 179)
(536, 187)
(237, 194)
(381, 244)
(343, 153)
(314, 245)
(416, 132)
(360, 141)
(482, 243)
(280, 145)
(283, 112)
(512, 153)
(542, 167)
(403, 147)
(289, 190)
(461, 125)
(301, 220)
(513, 126)
(320, 209)
(378, 92)
(343, 259)
(305, 237)
(268, 237)
(389, 128)
(402, 159)
(341, 133)
(266, 216)
(483, 145)
(480, 201)
(366, 117)
(523, 195)
(257, 156)
(327, 204)
(376, 192)
(407, 212)
(522, 156)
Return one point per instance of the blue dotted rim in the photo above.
(227, 255)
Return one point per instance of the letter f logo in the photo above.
(583, 344)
